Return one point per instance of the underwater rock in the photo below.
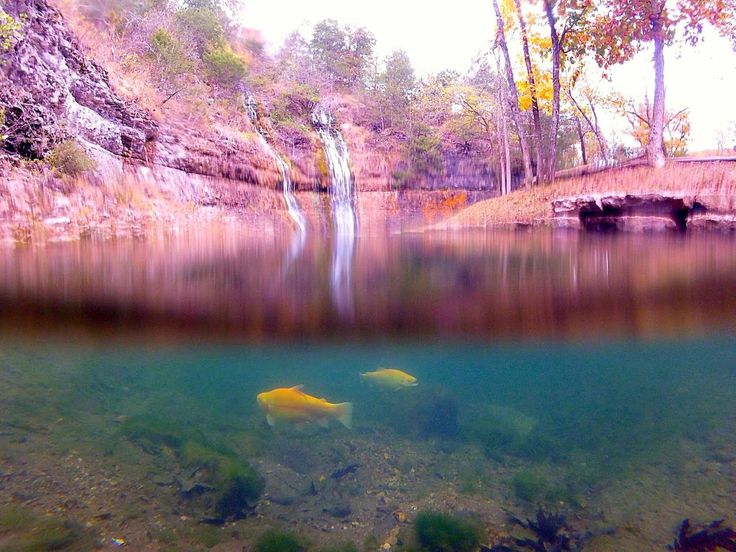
(712, 536)
(439, 417)
(339, 509)
(342, 472)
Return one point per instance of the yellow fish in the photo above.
(390, 378)
(291, 404)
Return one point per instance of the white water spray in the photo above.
(343, 209)
(287, 188)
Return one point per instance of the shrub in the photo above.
(169, 53)
(423, 151)
(224, 66)
(279, 541)
(9, 29)
(70, 159)
(444, 533)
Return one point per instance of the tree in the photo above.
(532, 88)
(342, 54)
(586, 108)
(396, 87)
(624, 26)
(675, 130)
(513, 96)
(293, 60)
(570, 39)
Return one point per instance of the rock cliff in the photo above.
(51, 91)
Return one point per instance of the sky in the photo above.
(701, 78)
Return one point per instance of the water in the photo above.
(287, 189)
(343, 209)
(592, 375)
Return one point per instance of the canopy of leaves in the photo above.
(341, 53)
(622, 26)
(204, 25)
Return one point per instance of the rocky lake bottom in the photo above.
(163, 447)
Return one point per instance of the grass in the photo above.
(713, 184)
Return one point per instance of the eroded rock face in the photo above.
(624, 212)
(51, 91)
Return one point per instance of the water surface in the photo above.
(591, 375)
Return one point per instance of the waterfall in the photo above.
(287, 188)
(343, 209)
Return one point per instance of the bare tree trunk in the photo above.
(592, 124)
(551, 164)
(532, 90)
(506, 150)
(513, 98)
(581, 137)
(499, 144)
(502, 132)
(655, 147)
(602, 144)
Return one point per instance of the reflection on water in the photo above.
(496, 285)
(164, 447)
(343, 209)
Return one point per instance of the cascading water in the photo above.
(291, 203)
(343, 209)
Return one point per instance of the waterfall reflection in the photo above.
(343, 211)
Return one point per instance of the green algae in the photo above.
(279, 541)
(22, 530)
(438, 532)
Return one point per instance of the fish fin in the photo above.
(346, 414)
(323, 422)
(297, 387)
(270, 420)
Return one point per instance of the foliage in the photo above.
(395, 90)
(279, 541)
(204, 25)
(169, 54)
(423, 150)
(70, 159)
(294, 103)
(224, 66)
(623, 26)
(9, 29)
(438, 532)
(342, 54)
(639, 115)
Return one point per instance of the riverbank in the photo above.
(711, 184)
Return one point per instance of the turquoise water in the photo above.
(154, 438)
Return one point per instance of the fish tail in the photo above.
(345, 414)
